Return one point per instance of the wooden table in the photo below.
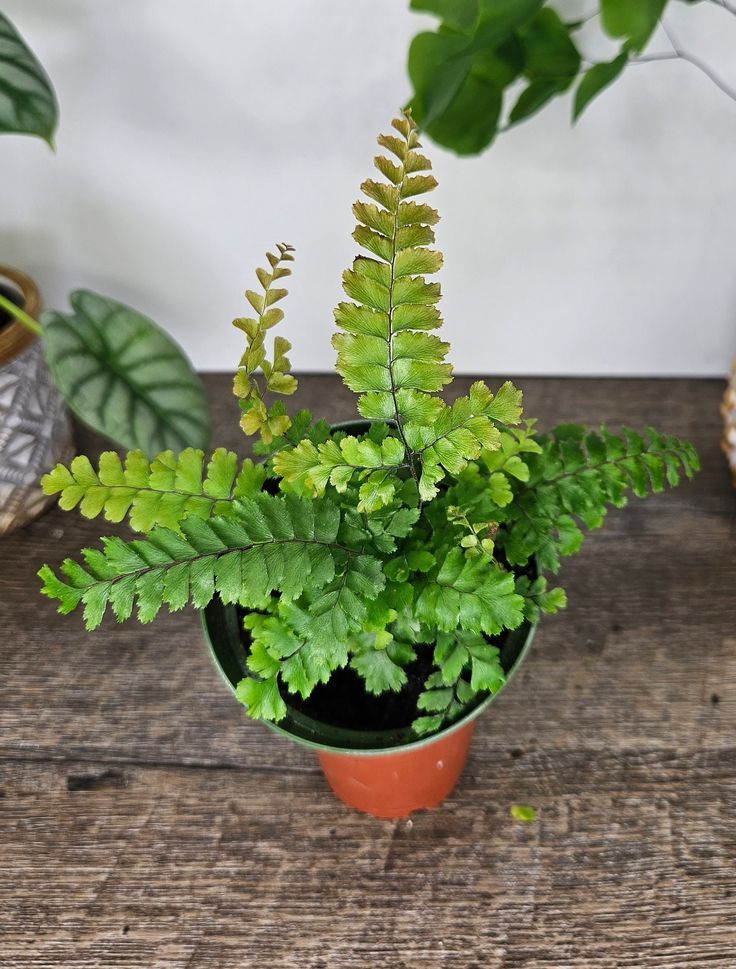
(144, 822)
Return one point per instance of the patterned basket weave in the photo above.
(35, 431)
(728, 411)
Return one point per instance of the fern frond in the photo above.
(469, 594)
(467, 665)
(381, 667)
(461, 431)
(460, 651)
(325, 618)
(302, 427)
(163, 491)
(302, 664)
(277, 656)
(507, 464)
(384, 350)
(441, 703)
(538, 598)
(307, 641)
(574, 479)
(257, 374)
(274, 545)
(375, 465)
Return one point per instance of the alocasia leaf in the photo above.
(27, 100)
(122, 375)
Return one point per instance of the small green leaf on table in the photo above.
(523, 812)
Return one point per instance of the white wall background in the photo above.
(194, 135)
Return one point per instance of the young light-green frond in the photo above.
(256, 373)
(312, 467)
(162, 492)
(385, 351)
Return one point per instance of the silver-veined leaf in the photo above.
(124, 377)
(27, 100)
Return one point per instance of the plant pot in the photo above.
(35, 431)
(387, 774)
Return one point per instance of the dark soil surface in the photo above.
(344, 702)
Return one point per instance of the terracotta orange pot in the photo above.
(394, 784)
(387, 773)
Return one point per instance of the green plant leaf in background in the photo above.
(27, 100)
(460, 14)
(500, 18)
(455, 100)
(465, 74)
(595, 79)
(551, 62)
(634, 20)
(124, 377)
(460, 73)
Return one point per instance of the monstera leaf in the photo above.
(27, 100)
(123, 376)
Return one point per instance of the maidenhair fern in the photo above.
(421, 539)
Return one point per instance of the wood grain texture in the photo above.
(144, 822)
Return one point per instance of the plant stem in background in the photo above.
(697, 62)
(681, 55)
(726, 5)
(20, 315)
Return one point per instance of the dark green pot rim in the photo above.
(221, 628)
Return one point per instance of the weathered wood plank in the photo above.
(145, 822)
(630, 864)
